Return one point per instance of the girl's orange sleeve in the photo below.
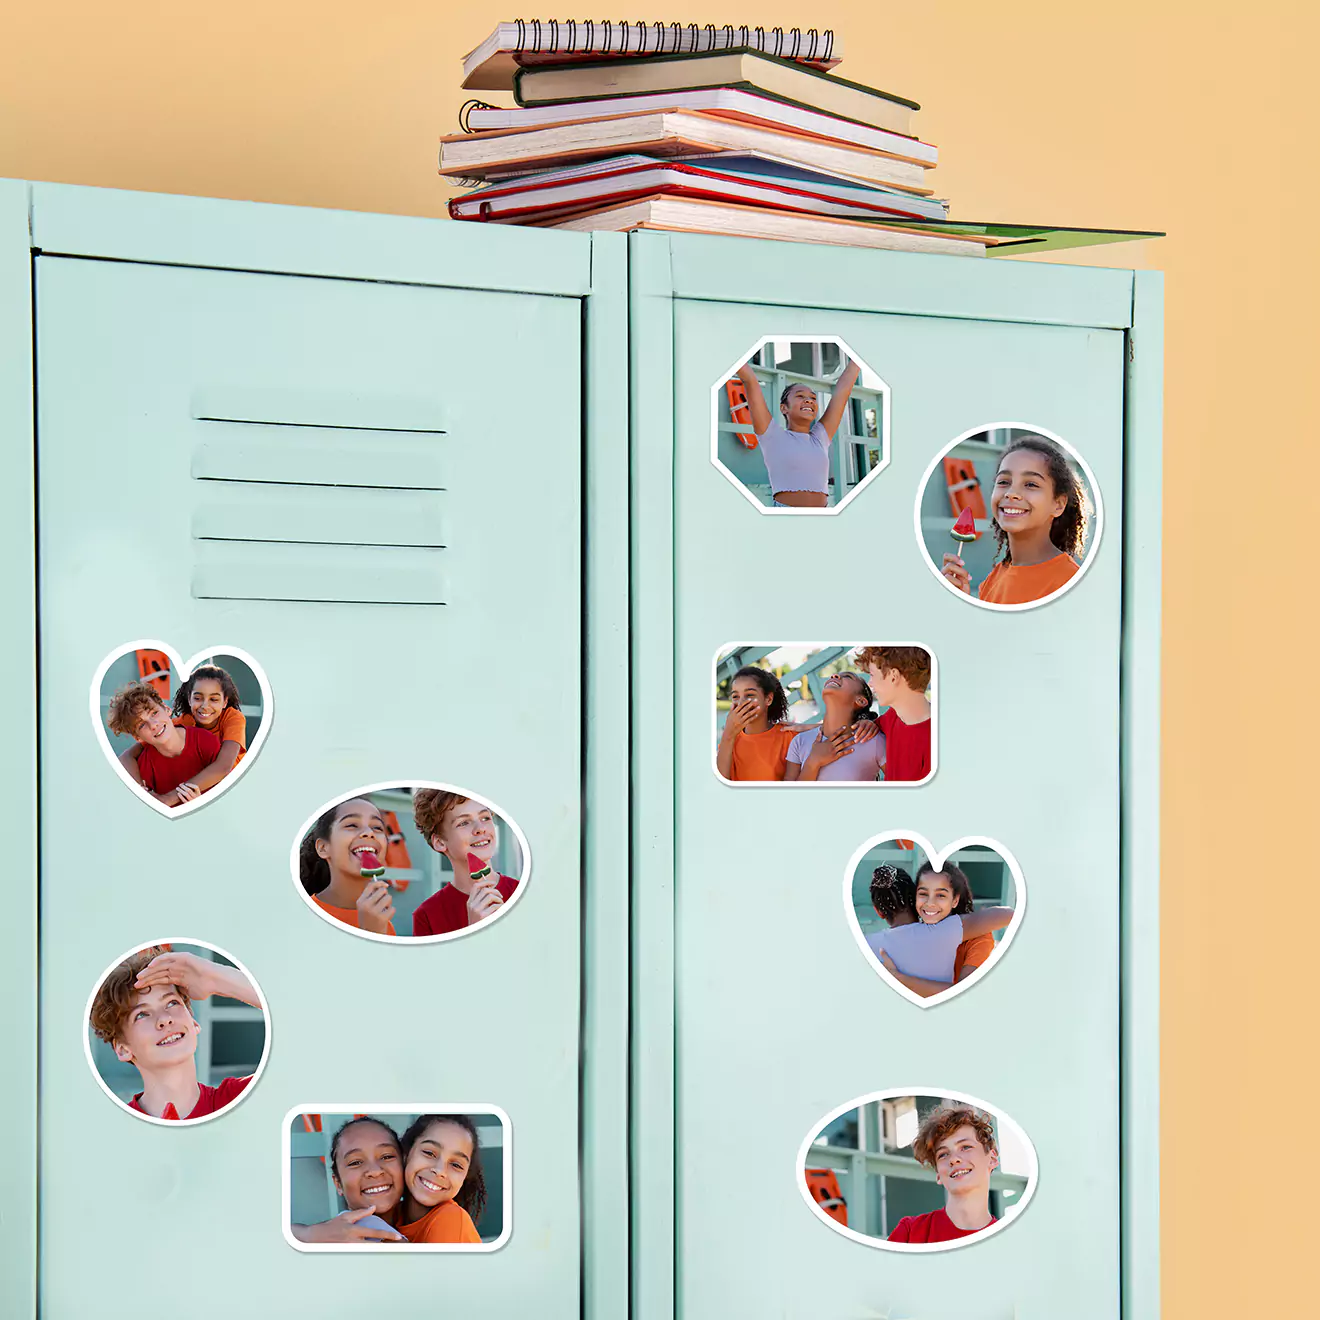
(972, 953)
(233, 727)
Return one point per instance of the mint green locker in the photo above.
(743, 958)
(347, 446)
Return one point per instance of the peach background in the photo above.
(1195, 118)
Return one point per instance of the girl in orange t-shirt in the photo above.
(207, 700)
(754, 741)
(444, 1186)
(969, 955)
(344, 841)
(1039, 509)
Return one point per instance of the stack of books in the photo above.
(728, 130)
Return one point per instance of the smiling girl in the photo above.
(330, 863)
(462, 829)
(366, 1166)
(444, 1187)
(1039, 509)
(836, 750)
(796, 449)
(757, 734)
(923, 954)
(207, 700)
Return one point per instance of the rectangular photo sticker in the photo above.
(397, 1177)
(813, 713)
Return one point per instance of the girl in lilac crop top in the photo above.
(796, 446)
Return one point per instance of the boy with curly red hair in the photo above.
(900, 676)
(172, 756)
(460, 828)
(958, 1142)
(143, 1011)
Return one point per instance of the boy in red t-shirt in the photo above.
(143, 1011)
(958, 1142)
(460, 828)
(900, 676)
(172, 755)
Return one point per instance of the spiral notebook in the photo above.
(511, 46)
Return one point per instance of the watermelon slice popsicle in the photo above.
(478, 869)
(370, 865)
(964, 529)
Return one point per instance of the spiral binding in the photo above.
(537, 36)
(465, 110)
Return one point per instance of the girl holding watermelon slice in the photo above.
(339, 866)
(1039, 510)
(796, 446)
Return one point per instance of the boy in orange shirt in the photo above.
(958, 1142)
(143, 1010)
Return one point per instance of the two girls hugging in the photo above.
(852, 743)
(424, 1187)
(178, 754)
(338, 864)
(1039, 510)
(934, 936)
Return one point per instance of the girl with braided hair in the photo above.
(928, 923)
(796, 446)
(1039, 509)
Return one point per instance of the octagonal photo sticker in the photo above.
(800, 425)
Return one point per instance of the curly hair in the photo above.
(472, 1195)
(940, 1123)
(962, 887)
(1068, 531)
(892, 892)
(911, 661)
(431, 806)
(771, 686)
(313, 869)
(127, 707)
(115, 995)
(353, 1122)
(183, 697)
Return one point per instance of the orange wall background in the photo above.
(1195, 118)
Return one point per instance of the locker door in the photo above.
(779, 1018)
(343, 479)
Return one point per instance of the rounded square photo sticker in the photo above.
(397, 1177)
(815, 713)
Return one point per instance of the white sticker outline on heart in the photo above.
(937, 857)
(180, 670)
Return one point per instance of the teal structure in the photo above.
(324, 398)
